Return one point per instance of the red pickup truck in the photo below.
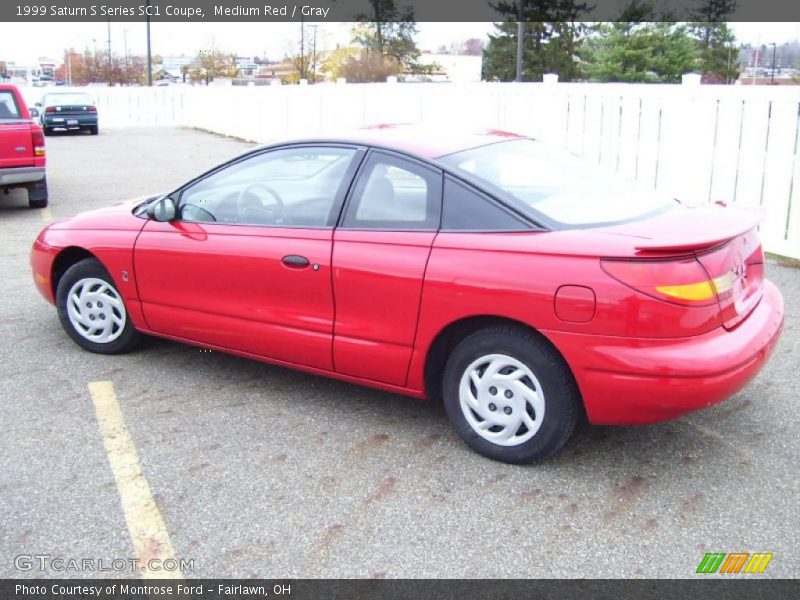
(22, 159)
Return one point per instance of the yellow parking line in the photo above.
(47, 215)
(145, 523)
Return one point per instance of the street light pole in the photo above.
(149, 54)
(520, 33)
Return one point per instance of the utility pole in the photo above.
(728, 68)
(149, 54)
(125, 43)
(109, 45)
(520, 34)
(314, 55)
(302, 48)
(772, 79)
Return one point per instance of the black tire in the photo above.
(37, 194)
(90, 268)
(94, 129)
(47, 131)
(562, 402)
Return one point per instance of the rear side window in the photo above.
(541, 181)
(8, 106)
(395, 194)
(465, 209)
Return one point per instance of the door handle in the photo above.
(295, 262)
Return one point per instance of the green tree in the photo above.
(646, 52)
(209, 64)
(387, 36)
(718, 55)
(552, 37)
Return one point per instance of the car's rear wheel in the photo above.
(510, 395)
(94, 129)
(92, 310)
(47, 130)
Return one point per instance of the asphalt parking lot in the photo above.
(262, 471)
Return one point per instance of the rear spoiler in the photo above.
(709, 226)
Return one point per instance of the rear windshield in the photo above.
(8, 106)
(66, 99)
(567, 191)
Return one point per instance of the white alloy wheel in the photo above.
(95, 310)
(502, 400)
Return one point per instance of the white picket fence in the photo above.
(738, 144)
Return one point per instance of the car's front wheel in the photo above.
(92, 311)
(510, 395)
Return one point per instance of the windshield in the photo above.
(66, 99)
(563, 188)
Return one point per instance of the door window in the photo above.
(289, 187)
(395, 194)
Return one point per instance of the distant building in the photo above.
(456, 68)
(765, 76)
(246, 66)
(28, 73)
(276, 70)
(743, 80)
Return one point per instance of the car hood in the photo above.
(117, 216)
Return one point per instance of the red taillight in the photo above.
(739, 264)
(91, 108)
(681, 281)
(50, 109)
(37, 138)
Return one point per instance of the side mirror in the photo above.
(34, 112)
(163, 209)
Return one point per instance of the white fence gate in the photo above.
(738, 144)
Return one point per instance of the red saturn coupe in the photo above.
(521, 285)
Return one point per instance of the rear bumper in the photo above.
(65, 121)
(627, 381)
(20, 175)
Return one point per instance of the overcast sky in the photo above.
(26, 42)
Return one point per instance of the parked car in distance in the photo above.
(71, 111)
(22, 151)
(522, 285)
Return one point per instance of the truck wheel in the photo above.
(37, 194)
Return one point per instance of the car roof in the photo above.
(424, 141)
(65, 94)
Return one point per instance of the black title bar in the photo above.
(31, 11)
(706, 587)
